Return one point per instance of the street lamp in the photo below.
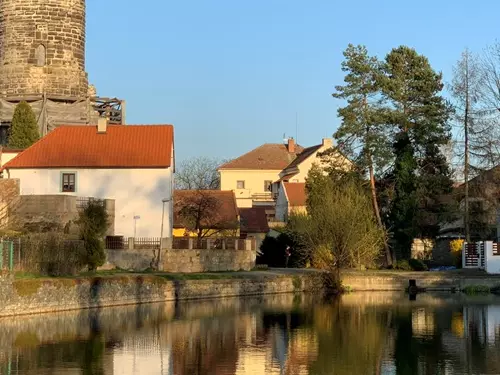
(163, 201)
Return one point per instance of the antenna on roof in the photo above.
(285, 139)
(296, 127)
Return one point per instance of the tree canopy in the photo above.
(24, 129)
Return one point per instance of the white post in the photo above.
(464, 247)
(488, 253)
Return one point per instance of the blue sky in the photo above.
(231, 74)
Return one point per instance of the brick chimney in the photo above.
(102, 125)
(291, 145)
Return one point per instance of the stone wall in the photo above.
(20, 297)
(42, 48)
(213, 260)
(45, 212)
(185, 261)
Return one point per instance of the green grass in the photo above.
(476, 289)
(121, 273)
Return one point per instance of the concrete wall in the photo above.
(254, 183)
(21, 297)
(185, 261)
(135, 192)
(57, 27)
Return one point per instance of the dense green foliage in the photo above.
(393, 127)
(93, 222)
(24, 129)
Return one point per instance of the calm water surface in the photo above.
(282, 334)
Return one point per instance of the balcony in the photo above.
(264, 197)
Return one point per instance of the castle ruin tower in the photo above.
(42, 50)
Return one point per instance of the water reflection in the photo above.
(282, 334)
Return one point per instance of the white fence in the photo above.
(482, 255)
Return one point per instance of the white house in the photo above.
(7, 154)
(132, 164)
(292, 198)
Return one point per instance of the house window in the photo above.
(68, 182)
(267, 185)
(240, 184)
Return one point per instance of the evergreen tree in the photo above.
(419, 116)
(24, 129)
(362, 136)
(435, 204)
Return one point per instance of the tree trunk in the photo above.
(376, 209)
(466, 156)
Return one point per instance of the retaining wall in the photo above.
(21, 297)
(432, 281)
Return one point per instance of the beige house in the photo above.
(257, 177)
(292, 198)
(252, 175)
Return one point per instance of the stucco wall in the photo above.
(282, 205)
(254, 183)
(5, 157)
(135, 191)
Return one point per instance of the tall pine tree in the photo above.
(24, 129)
(362, 135)
(419, 116)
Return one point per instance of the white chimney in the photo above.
(327, 142)
(102, 125)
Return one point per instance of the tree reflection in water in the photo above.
(284, 334)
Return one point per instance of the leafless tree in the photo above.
(476, 92)
(199, 173)
(201, 211)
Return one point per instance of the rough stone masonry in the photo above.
(42, 48)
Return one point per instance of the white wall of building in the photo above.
(137, 192)
(282, 205)
(5, 157)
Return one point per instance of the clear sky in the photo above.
(232, 74)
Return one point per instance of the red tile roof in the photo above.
(254, 220)
(269, 156)
(129, 146)
(296, 193)
(7, 150)
(218, 208)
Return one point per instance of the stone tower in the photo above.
(42, 49)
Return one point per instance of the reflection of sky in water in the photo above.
(283, 335)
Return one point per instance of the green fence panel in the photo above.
(11, 256)
(1, 255)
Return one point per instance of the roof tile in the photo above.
(122, 146)
(269, 156)
(296, 193)
(254, 220)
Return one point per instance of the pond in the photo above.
(359, 333)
